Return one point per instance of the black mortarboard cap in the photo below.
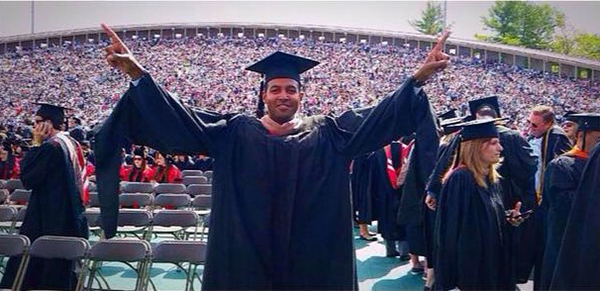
(586, 121)
(480, 128)
(491, 102)
(54, 113)
(448, 124)
(568, 117)
(282, 65)
(448, 114)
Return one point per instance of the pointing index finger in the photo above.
(440, 44)
(111, 34)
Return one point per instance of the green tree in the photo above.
(519, 23)
(564, 39)
(432, 19)
(587, 45)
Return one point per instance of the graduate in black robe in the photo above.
(472, 235)
(281, 211)
(578, 258)
(387, 163)
(562, 179)
(552, 143)
(363, 200)
(56, 203)
(517, 170)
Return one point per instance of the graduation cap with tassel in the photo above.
(279, 65)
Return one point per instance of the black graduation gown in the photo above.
(472, 249)
(281, 210)
(363, 200)
(533, 231)
(413, 211)
(560, 184)
(579, 257)
(54, 208)
(388, 198)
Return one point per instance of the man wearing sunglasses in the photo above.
(561, 180)
(548, 141)
(54, 169)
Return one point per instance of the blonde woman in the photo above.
(472, 234)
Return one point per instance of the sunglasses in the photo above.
(137, 159)
(532, 125)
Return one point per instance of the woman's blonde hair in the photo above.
(470, 157)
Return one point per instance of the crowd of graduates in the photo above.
(451, 208)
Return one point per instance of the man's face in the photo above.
(536, 125)
(282, 98)
(3, 155)
(570, 128)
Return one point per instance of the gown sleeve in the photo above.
(36, 162)
(522, 165)
(401, 113)
(149, 115)
(456, 232)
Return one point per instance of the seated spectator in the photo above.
(203, 163)
(9, 163)
(184, 162)
(139, 171)
(164, 171)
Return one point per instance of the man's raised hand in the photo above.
(436, 60)
(120, 57)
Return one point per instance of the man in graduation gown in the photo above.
(561, 181)
(54, 169)
(387, 165)
(548, 141)
(281, 211)
(578, 258)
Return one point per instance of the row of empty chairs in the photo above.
(125, 251)
(169, 201)
(145, 224)
(170, 188)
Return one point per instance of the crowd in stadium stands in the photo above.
(209, 73)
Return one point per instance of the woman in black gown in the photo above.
(472, 232)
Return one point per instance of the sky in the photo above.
(465, 16)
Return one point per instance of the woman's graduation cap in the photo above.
(279, 65)
(490, 102)
(54, 113)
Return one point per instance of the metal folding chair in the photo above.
(137, 187)
(179, 253)
(125, 251)
(4, 194)
(172, 201)
(8, 215)
(186, 173)
(134, 222)
(199, 189)
(63, 247)
(94, 199)
(13, 245)
(20, 196)
(175, 222)
(208, 175)
(92, 215)
(13, 184)
(169, 188)
(135, 200)
(189, 180)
